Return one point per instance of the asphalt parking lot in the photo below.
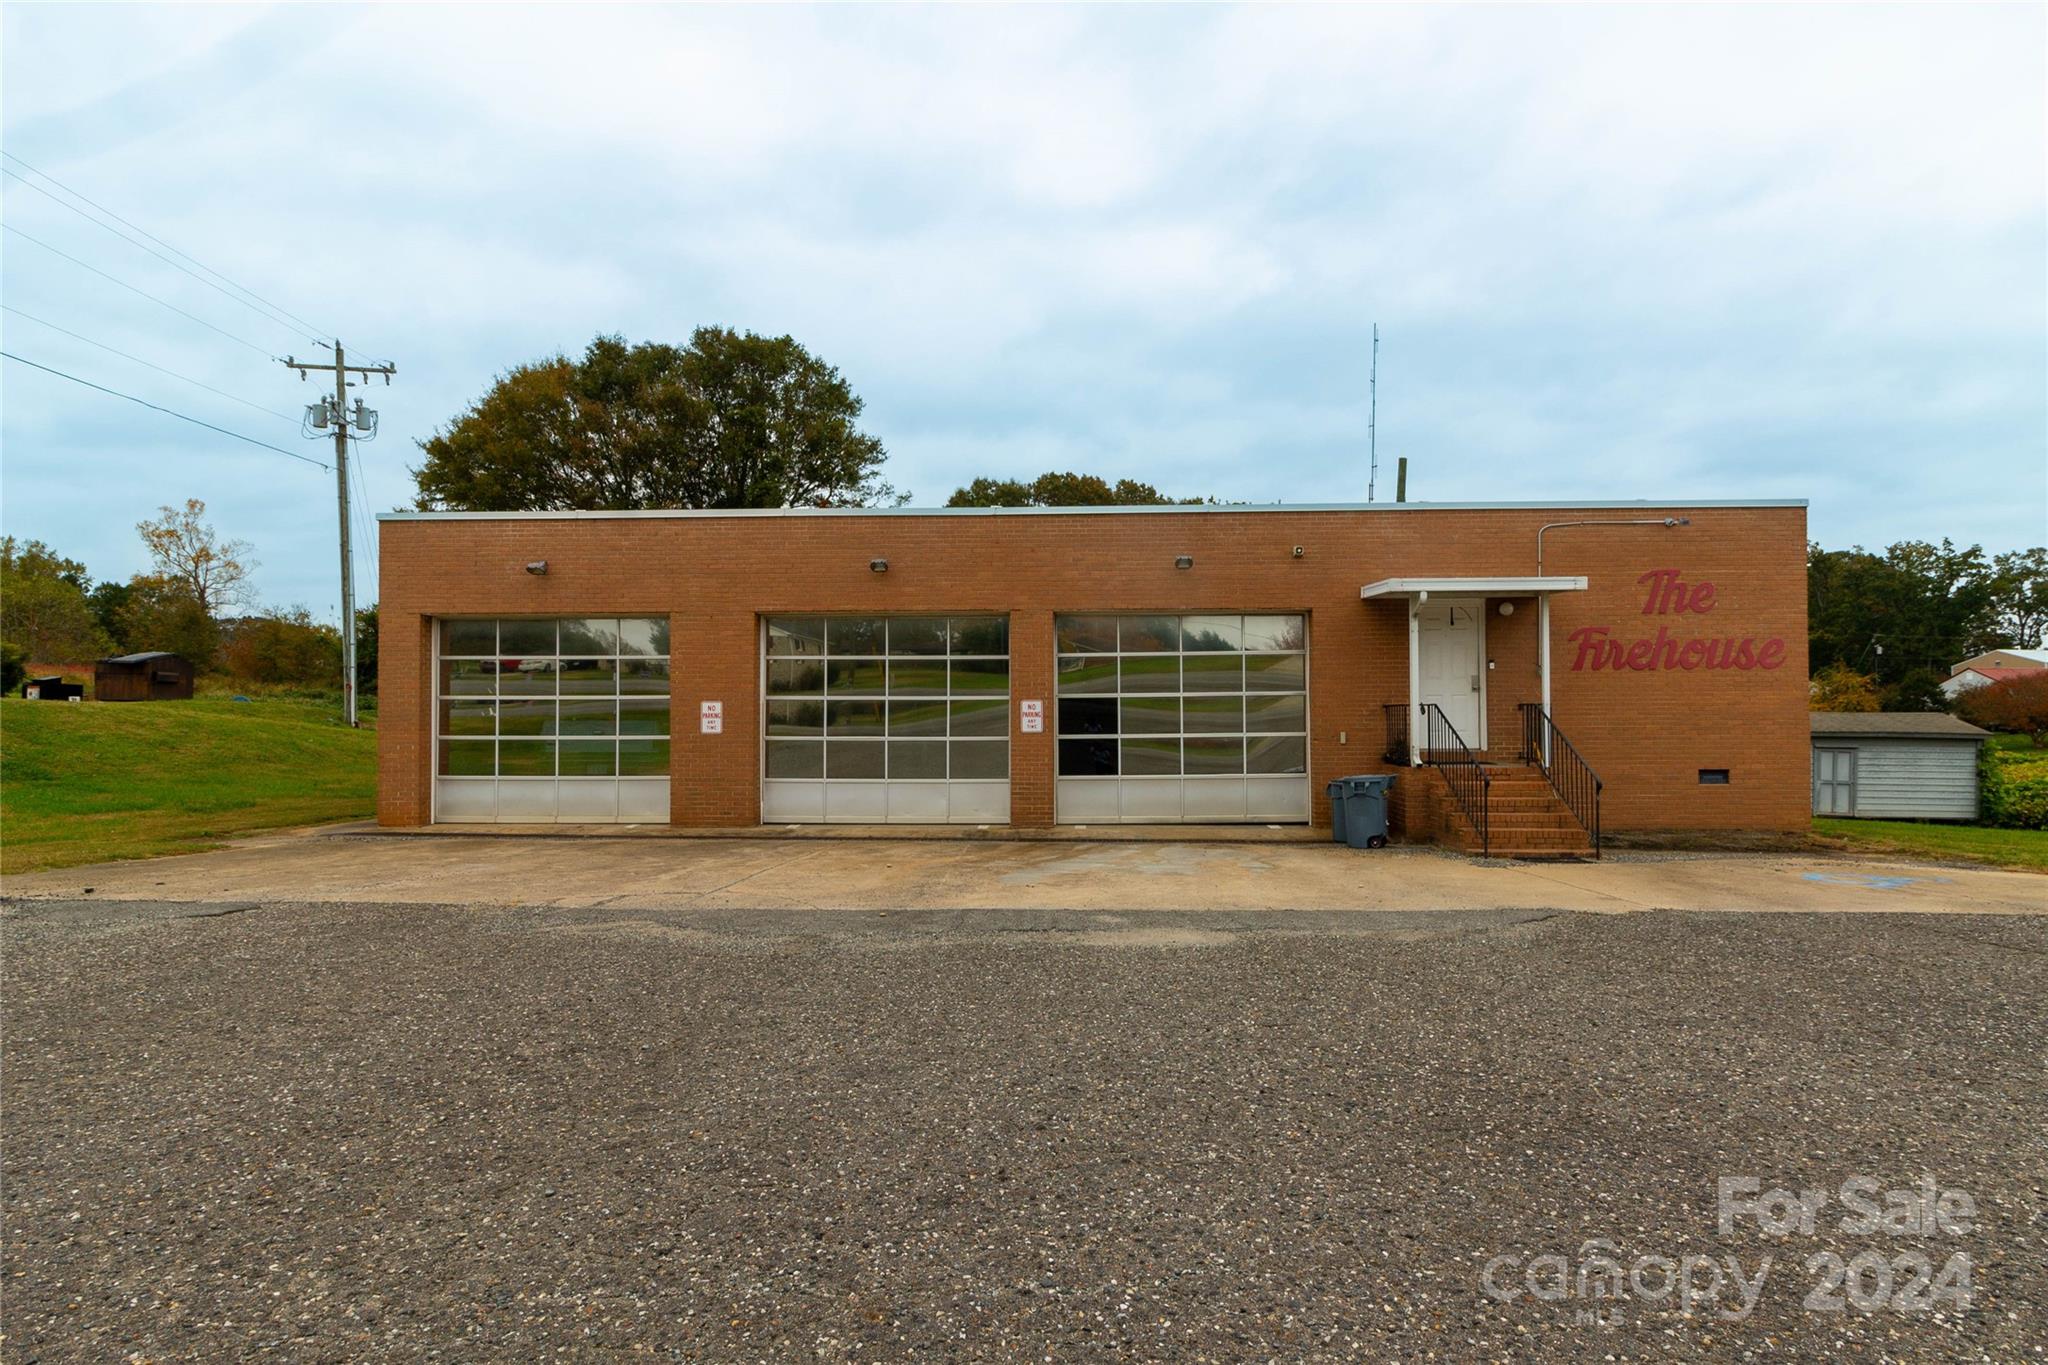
(341, 1132)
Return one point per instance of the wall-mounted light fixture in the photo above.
(538, 568)
(1507, 609)
(878, 565)
(1183, 561)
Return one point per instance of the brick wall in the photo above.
(1648, 730)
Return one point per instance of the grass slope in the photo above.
(99, 781)
(2026, 849)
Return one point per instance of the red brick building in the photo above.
(1093, 666)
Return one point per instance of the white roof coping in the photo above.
(1172, 509)
(1474, 587)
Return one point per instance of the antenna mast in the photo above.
(1372, 420)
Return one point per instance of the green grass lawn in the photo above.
(97, 781)
(2026, 849)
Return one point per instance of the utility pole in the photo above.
(1372, 418)
(334, 412)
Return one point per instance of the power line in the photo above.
(45, 175)
(111, 350)
(262, 311)
(303, 459)
(264, 351)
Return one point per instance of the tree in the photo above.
(161, 613)
(43, 607)
(285, 647)
(1062, 490)
(1841, 688)
(731, 420)
(2015, 705)
(106, 600)
(1905, 615)
(2019, 597)
(13, 666)
(366, 651)
(185, 550)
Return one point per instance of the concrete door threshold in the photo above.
(1078, 834)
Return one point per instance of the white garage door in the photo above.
(1183, 719)
(879, 720)
(552, 720)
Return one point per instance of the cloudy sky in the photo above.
(1688, 253)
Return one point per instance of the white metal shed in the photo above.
(1895, 765)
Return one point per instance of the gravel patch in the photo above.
(402, 1133)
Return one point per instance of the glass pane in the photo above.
(643, 758)
(1151, 757)
(1214, 715)
(799, 676)
(645, 677)
(981, 718)
(590, 635)
(980, 760)
(980, 634)
(1276, 754)
(1150, 715)
(645, 635)
(589, 758)
(1151, 673)
(853, 635)
(469, 677)
(1209, 755)
(917, 635)
(1214, 672)
(1087, 715)
(796, 635)
(526, 717)
(468, 717)
(469, 637)
(856, 758)
(856, 677)
(1087, 758)
(1288, 714)
(1208, 633)
(466, 758)
(1275, 672)
(1087, 675)
(1150, 634)
(971, 676)
(795, 758)
(918, 717)
(917, 760)
(526, 678)
(853, 718)
(526, 637)
(1274, 633)
(590, 677)
(917, 678)
(587, 715)
(796, 718)
(1086, 634)
(643, 715)
(526, 758)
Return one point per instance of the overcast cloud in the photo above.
(1613, 253)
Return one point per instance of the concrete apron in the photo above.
(951, 874)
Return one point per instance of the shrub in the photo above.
(13, 668)
(2013, 788)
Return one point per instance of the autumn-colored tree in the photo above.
(286, 647)
(1839, 687)
(2016, 706)
(43, 607)
(185, 550)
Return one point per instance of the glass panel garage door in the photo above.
(552, 721)
(876, 720)
(1166, 719)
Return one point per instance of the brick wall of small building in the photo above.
(1648, 730)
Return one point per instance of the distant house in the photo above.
(1895, 765)
(1979, 675)
(142, 677)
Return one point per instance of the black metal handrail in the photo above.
(1396, 713)
(1471, 785)
(1559, 760)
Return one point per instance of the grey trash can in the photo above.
(1365, 809)
(1336, 792)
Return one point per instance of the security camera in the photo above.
(538, 568)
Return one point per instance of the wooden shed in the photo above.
(143, 677)
(1895, 765)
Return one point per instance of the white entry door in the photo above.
(1454, 665)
